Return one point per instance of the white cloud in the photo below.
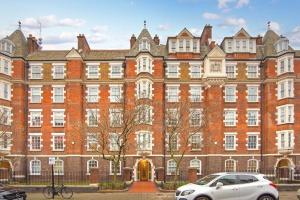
(234, 22)
(227, 4)
(163, 27)
(195, 31)
(100, 29)
(275, 26)
(242, 3)
(212, 16)
(294, 37)
(222, 4)
(64, 37)
(51, 21)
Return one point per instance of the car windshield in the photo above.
(205, 180)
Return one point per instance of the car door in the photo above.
(249, 187)
(229, 190)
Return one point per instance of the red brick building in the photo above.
(251, 83)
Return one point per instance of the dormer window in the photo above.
(188, 45)
(144, 45)
(173, 46)
(6, 46)
(282, 44)
(181, 45)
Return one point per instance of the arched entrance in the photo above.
(5, 170)
(144, 170)
(285, 169)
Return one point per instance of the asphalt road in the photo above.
(137, 196)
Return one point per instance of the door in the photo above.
(144, 168)
(229, 190)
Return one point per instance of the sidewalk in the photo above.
(143, 187)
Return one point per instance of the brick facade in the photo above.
(184, 51)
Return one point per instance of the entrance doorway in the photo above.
(144, 170)
(284, 169)
(5, 170)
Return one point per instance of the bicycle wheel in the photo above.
(66, 193)
(48, 192)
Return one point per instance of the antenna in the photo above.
(269, 25)
(40, 40)
(145, 24)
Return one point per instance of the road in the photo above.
(137, 196)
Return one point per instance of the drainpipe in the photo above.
(261, 116)
(26, 103)
(164, 125)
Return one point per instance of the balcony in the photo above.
(285, 151)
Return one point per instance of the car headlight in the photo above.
(187, 192)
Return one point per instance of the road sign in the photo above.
(51, 160)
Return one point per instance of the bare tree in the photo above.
(5, 128)
(185, 126)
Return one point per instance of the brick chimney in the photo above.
(212, 44)
(32, 44)
(259, 40)
(83, 45)
(132, 40)
(206, 35)
(156, 40)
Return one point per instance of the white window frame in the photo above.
(144, 89)
(113, 73)
(289, 140)
(144, 64)
(54, 135)
(144, 141)
(288, 64)
(234, 165)
(56, 115)
(58, 68)
(229, 74)
(54, 97)
(195, 71)
(111, 172)
(199, 143)
(173, 70)
(228, 97)
(170, 96)
(195, 93)
(89, 167)
(195, 112)
(31, 136)
(115, 98)
(113, 141)
(35, 75)
(256, 166)
(227, 121)
(251, 97)
(92, 98)
(252, 75)
(33, 113)
(91, 141)
(39, 168)
(288, 115)
(96, 117)
(198, 167)
(173, 171)
(5, 115)
(58, 171)
(39, 93)
(285, 89)
(257, 113)
(227, 145)
(89, 70)
(253, 134)
(115, 117)
(5, 90)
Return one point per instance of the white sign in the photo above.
(51, 160)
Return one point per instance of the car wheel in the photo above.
(266, 197)
(202, 198)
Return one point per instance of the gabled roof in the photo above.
(216, 52)
(242, 33)
(18, 38)
(185, 33)
(73, 54)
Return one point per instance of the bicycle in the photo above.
(63, 191)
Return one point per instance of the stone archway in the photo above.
(284, 169)
(5, 170)
(144, 167)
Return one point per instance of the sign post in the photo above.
(52, 162)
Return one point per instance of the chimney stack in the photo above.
(156, 40)
(206, 35)
(259, 40)
(132, 40)
(32, 44)
(83, 45)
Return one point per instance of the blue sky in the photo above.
(110, 23)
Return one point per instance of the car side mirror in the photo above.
(219, 185)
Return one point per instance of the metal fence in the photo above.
(279, 175)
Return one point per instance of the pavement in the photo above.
(136, 196)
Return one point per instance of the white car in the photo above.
(229, 186)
